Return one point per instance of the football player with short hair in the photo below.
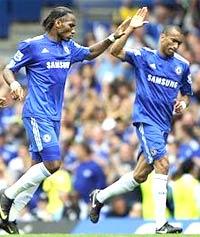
(160, 76)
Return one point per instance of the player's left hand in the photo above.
(3, 102)
(179, 106)
(120, 31)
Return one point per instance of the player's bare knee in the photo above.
(140, 178)
(162, 166)
(141, 175)
(53, 166)
(165, 169)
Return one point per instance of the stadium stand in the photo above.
(5, 20)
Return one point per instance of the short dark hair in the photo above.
(168, 28)
(56, 13)
(86, 147)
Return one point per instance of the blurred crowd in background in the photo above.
(98, 141)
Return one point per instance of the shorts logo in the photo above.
(46, 138)
(153, 151)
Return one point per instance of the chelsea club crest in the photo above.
(47, 138)
(66, 50)
(178, 70)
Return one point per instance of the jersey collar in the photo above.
(163, 56)
(51, 40)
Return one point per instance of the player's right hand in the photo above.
(179, 106)
(17, 92)
(3, 102)
(138, 19)
(122, 28)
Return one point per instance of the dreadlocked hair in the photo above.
(56, 13)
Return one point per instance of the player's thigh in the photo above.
(43, 138)
(161, 165)
(152, 142)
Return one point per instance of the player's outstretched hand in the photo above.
(3, 102)
(138, 19)
(120, 31)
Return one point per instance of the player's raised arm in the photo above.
(101, 46)
(136, 21)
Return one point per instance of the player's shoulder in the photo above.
(149, 50)
(72, 43)
(31, 43)
(34, 40)
(134, 51)
(143, 51)
(181, 58)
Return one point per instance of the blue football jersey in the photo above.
(47, 63)
(158, 81)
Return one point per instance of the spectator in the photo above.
(57, 187)
(189, 200)
(119, 208)
(89, 174)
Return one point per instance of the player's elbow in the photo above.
(93, 54)
(117, 53)
(6, 73)
(114, 52)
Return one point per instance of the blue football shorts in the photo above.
(43, 137)
(153, 141)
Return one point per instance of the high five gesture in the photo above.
(138, 19)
